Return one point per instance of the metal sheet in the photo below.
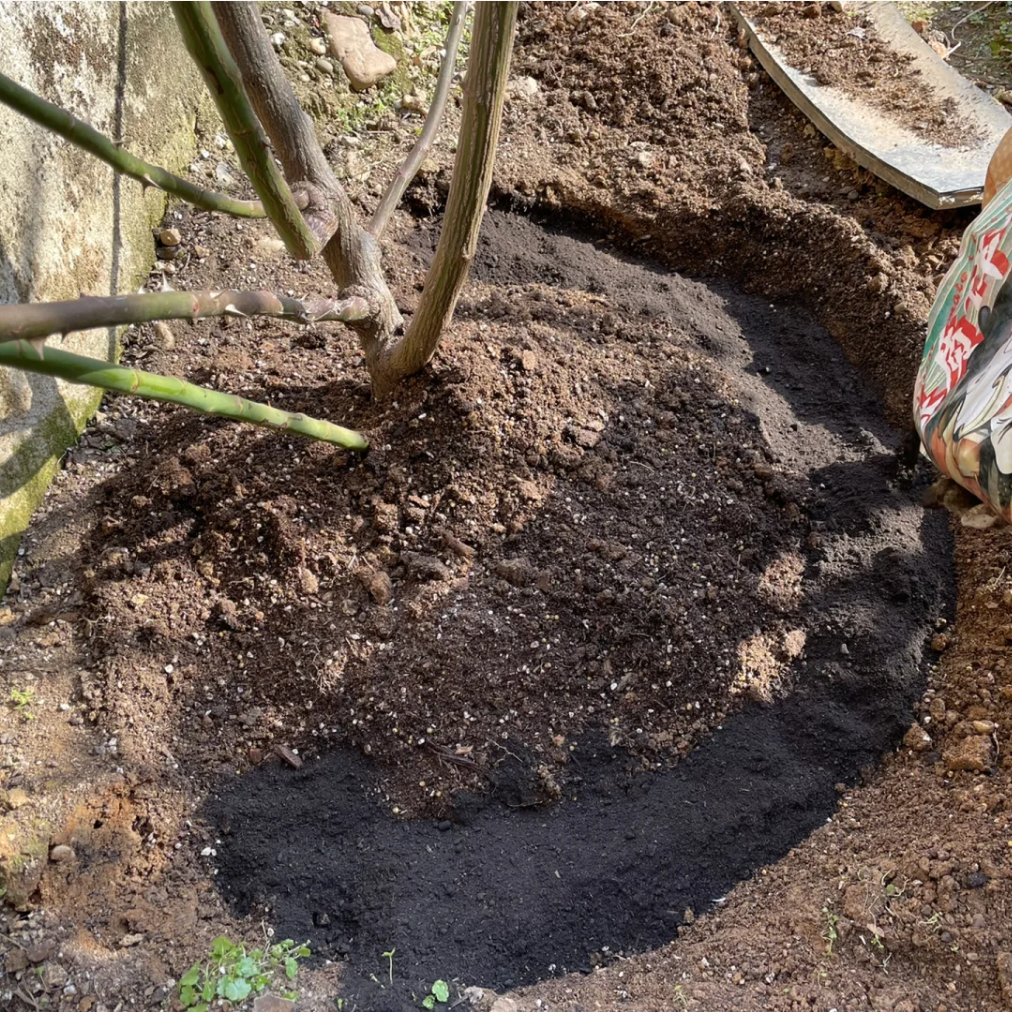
(936, 176)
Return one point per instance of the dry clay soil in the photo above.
(634, 593)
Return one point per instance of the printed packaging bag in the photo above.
(963, 395)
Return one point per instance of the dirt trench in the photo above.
(600, 474)
(822, 632)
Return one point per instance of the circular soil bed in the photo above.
(635, 518)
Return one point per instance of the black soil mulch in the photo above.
(507, 887)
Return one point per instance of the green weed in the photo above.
(830, 934)
(22, 700)
(233, 973)
(440, 993)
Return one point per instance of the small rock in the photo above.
(165, 340)
(973, 754)
(278, 39)
(272, 1003)
(689, 916)
(505, 1004)
(980, 518)
(352, 44)
(517, 572)
(284, 752)
(983, 726)
(56, 976)
(254, 755)
(528, 360)
(129, 940)
(524, 87)
(223, 175)
(380, 586)
(16, 961)
(41, 951)
(309, 583)
(426, 567)
(170, 237)
(61, 852)
(1004, 961)
(940, 642)
(318, 46)
(271, 245)
(762, 471)
(200, 252)
(390, 21)
(444, 825)
(324, 66)
(168, 252)
(15, 798)
(917, 738)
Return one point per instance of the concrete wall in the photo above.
(68, 224)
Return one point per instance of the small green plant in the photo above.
(440, 993)
(831, 934)
(233, 973)
(680, 996)
(390, 956)
(22, 700)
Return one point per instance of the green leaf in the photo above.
(303, 951)
(428, 1002)
(441, 990)
(236, 990)
(291, 967)
(208, 993)
(199, 1008)
(246, 967)
(290, 995)
(187, 996)
(191, 976)
(221, 946)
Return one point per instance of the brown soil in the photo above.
(844, 51)
(174, 556)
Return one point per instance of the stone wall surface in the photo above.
(68, 224)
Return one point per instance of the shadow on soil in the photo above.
(502, 896)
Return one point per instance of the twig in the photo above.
(86, 137)
(35, 321)
(641, 16)
(432, 120)
(171, 389)
(205, 44)
(966, 17)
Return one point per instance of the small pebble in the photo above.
(324, 66)
(278, 39)
(170, 237)
(61, 852)
(318, 46)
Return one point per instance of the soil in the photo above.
(844, 51)
(746, 577)
(194, 594)
(977, 35)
